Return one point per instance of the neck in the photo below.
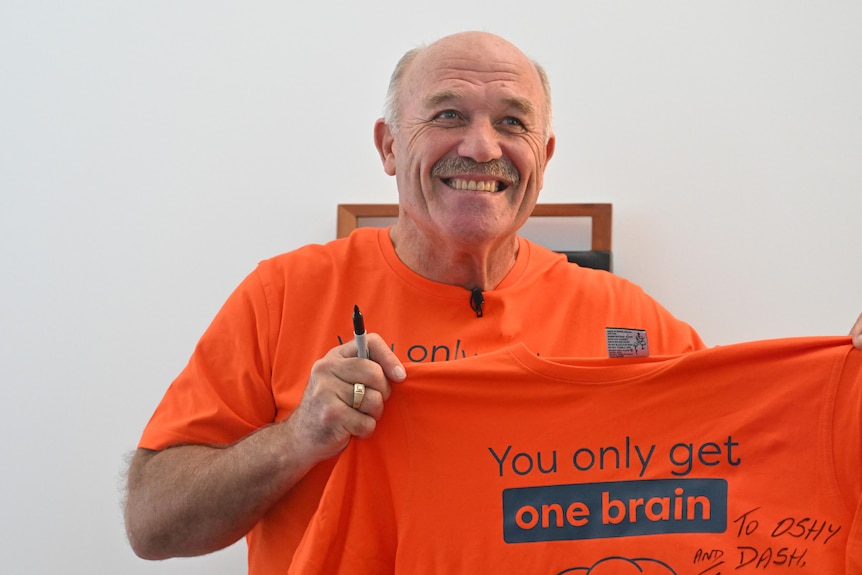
(470, 266)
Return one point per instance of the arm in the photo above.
(194, 499)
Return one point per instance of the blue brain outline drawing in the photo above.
(623, 566)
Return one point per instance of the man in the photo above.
(246, 436)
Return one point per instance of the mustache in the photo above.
(499, 168)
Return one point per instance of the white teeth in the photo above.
(481, 186)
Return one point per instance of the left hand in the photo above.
(856, 332)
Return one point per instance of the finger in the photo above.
(327, 418)
(383, 367)
(382, 354)
(357, 370)
(856, 332)
(368, 401)
(358, 395)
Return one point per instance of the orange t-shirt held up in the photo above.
(737, 459)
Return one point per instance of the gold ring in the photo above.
(358, 394)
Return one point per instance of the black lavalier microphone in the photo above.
(476, 301)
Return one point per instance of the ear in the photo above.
(384, 141)
(550, 146)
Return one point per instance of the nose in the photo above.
(481, 142)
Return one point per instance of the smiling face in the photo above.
(472, 141)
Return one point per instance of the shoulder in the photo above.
(332, 257)
(548, 266)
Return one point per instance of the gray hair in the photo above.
(392, 108)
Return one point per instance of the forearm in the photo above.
(194, 499)
(191, 500)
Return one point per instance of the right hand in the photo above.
(325, 420)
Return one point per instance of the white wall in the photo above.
(152, 152)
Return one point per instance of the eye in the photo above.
(447, 115)
(512, 122)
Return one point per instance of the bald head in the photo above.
(477, 49)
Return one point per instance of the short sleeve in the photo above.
(224, 392)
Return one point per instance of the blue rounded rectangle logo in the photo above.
(614, 509)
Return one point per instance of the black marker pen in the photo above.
(359, 334)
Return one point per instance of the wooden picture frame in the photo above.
(601, 215)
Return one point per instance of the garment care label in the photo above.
(624, 342)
